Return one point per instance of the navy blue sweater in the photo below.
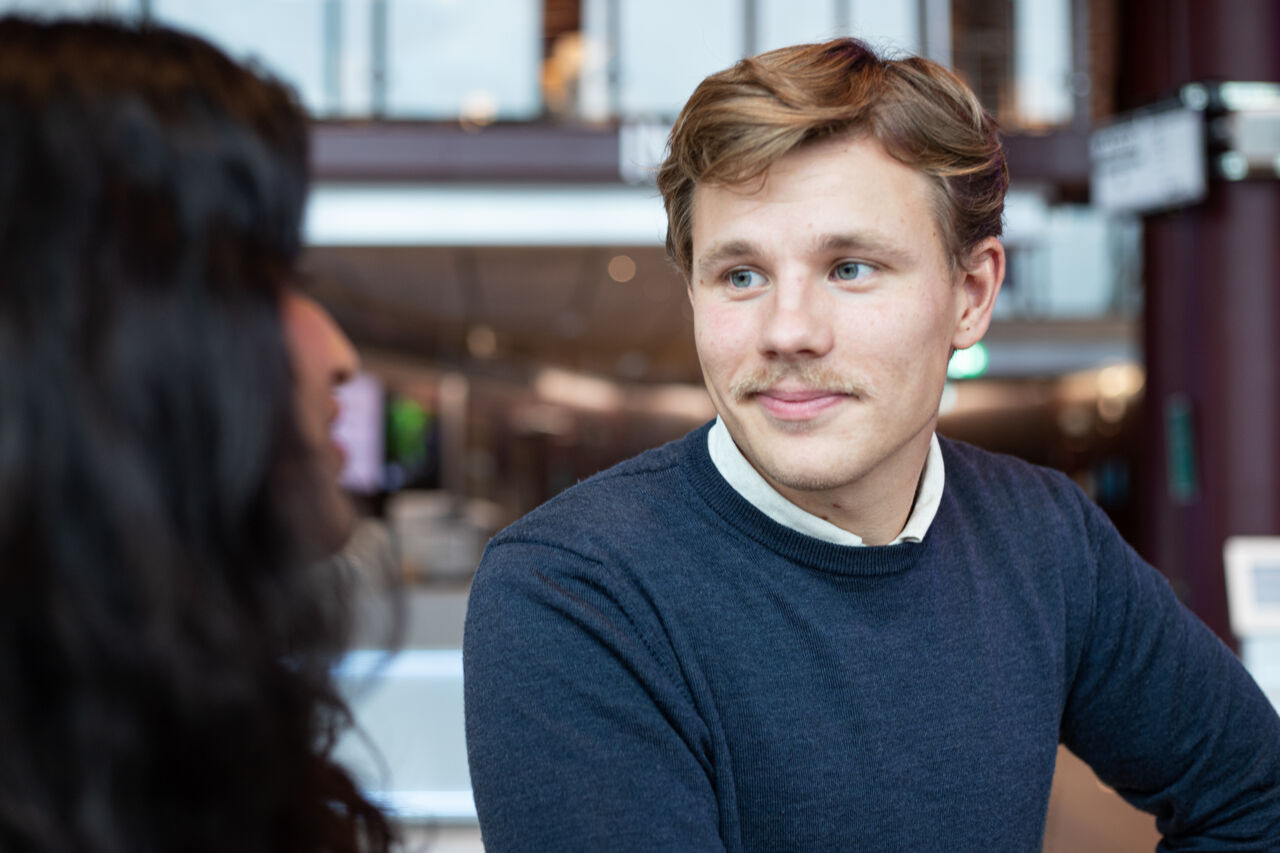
(653, 664)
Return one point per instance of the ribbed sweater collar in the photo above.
(737, 511)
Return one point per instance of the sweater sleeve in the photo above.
(1166, 714)
(580, 733)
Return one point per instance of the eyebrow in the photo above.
(863, 241)
(723, 252)
(858, 241)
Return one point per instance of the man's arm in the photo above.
(580, 732)
(1166, 714)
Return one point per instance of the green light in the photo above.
(968, 363)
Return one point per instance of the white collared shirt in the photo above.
(746, 481)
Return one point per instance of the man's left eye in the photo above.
(850, 270)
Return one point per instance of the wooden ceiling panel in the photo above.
(413, 278)
(544, 306)
(527, 290)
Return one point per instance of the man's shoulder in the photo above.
(1024, 519)
(1002, 482)
(616, 499)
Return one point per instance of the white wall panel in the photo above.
(668, 46)
(285, 36)
(784, 22)
(450, 57)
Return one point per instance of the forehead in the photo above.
(841, 186)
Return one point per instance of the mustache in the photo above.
(813, 376)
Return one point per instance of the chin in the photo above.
(805, 480)
(328, 523)
(805, 465)
(340, 520)
(807, 475)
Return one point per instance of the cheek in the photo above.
(722, 333)
(907, 329)
(876, 328)
(312, 402)
(306, 350)
(891, 347)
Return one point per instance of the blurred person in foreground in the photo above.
(166, 476)
(813, 624)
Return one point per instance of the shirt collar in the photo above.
(746, 481)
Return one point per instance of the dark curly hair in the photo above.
(165, 643)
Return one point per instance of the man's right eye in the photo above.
(742, 279)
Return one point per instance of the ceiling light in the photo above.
(622, 269)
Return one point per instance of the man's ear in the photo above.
(977, 285)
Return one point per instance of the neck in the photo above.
(877, 504)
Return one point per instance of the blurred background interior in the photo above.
(485, 225)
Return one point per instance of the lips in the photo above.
(798, 404)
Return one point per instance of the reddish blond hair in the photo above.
(740, 121)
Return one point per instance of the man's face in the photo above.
(322, 359)
(825, 309)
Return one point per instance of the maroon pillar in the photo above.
(1212, 276)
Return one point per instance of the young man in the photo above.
(814, 625)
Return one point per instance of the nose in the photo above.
(797, 323)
